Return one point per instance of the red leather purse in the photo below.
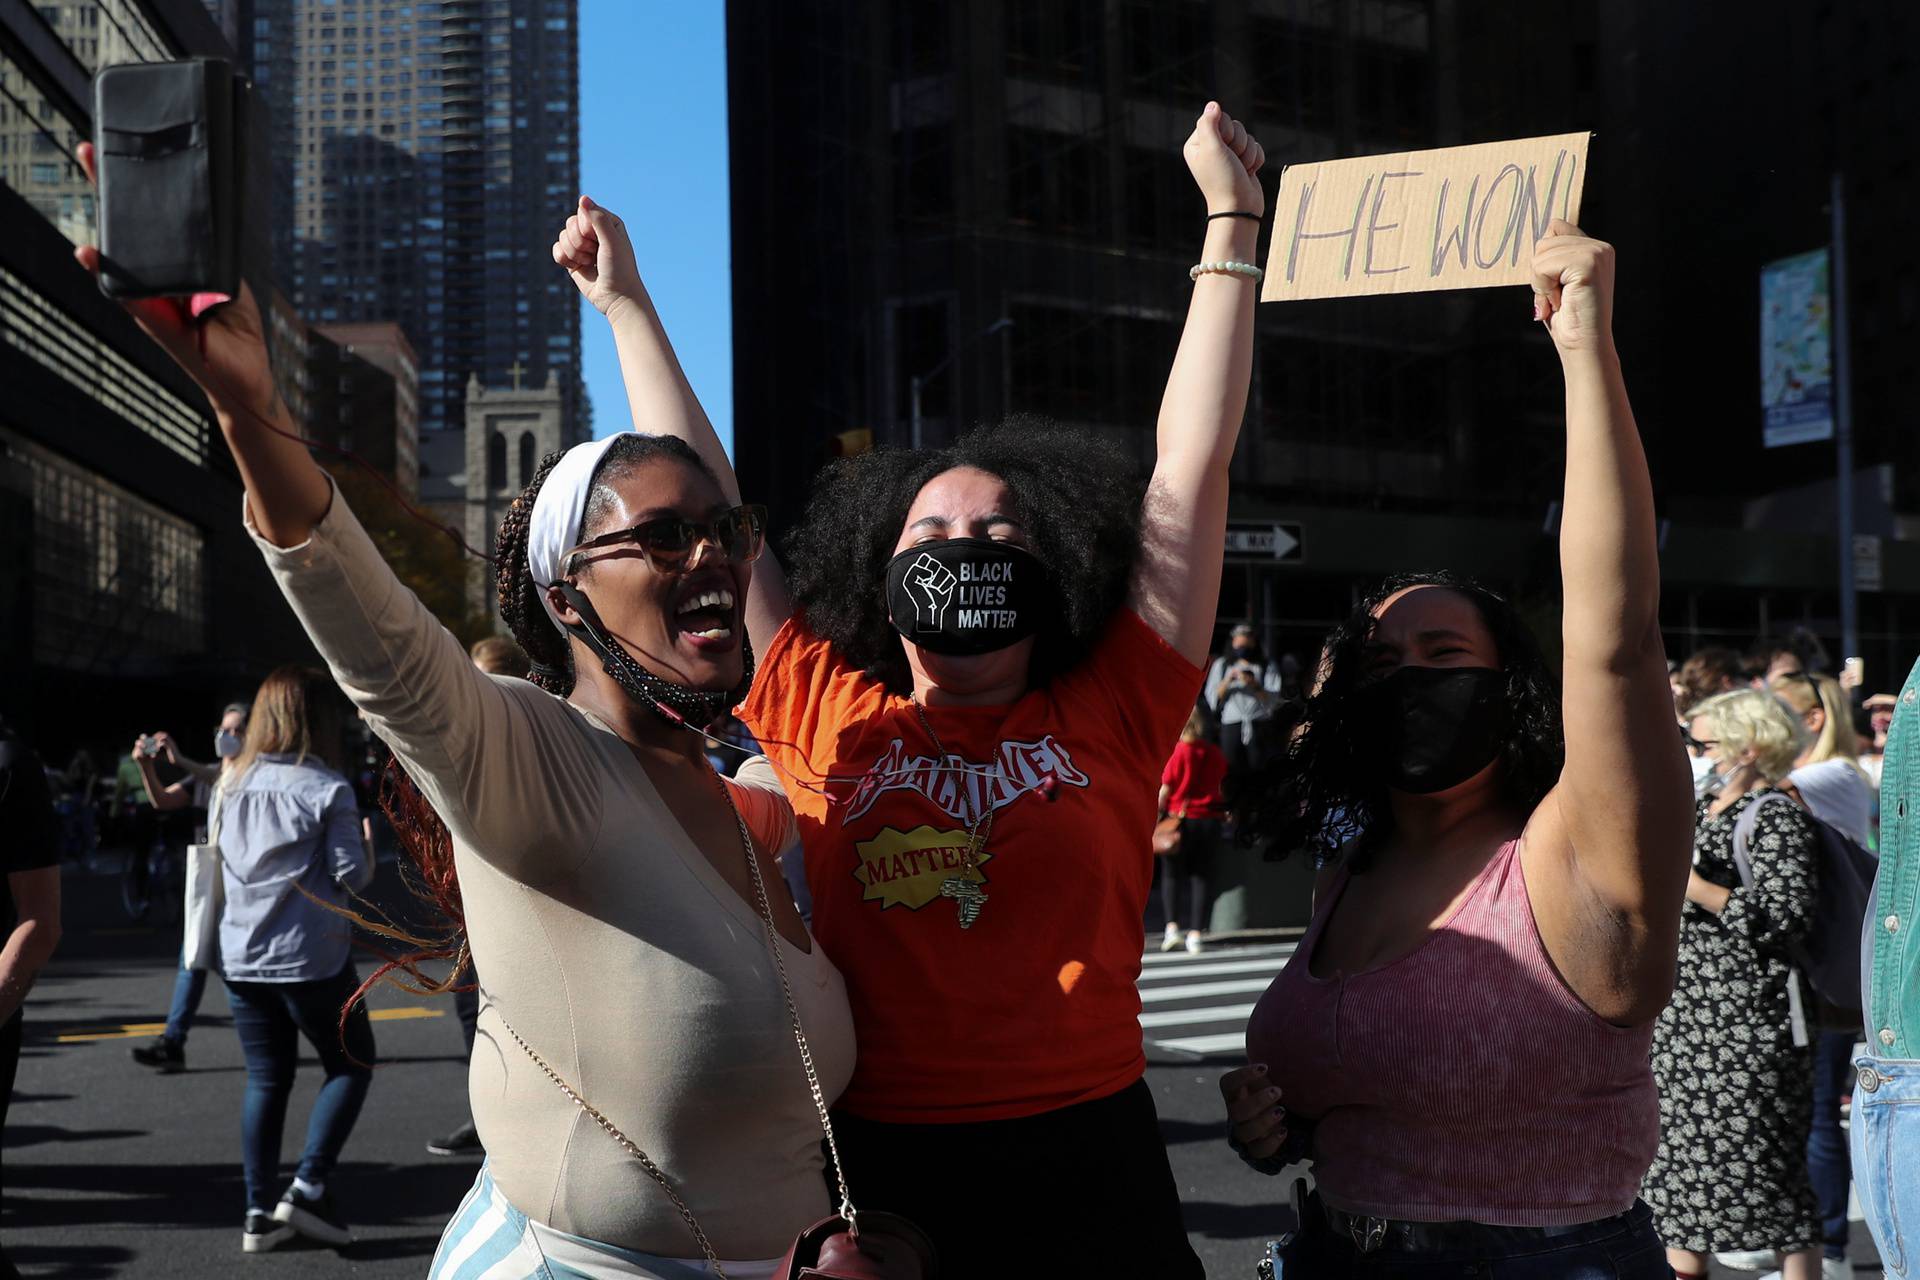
(867, 1246)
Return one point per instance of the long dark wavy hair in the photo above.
(428, 866)
(1076, 494)
(1320, 793)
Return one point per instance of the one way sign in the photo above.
(1280, 542)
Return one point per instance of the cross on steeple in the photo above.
(516, 370)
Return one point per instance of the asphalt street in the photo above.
(112, 1170)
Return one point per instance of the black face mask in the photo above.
(966, 596)
(676, 703)
(1431, 728)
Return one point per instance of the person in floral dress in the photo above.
(1731, 1053)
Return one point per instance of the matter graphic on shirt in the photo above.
(912, 868)
(962, 789)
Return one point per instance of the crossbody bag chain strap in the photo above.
(765, 912)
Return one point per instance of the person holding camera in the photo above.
(1241, 688)
(167, 1054)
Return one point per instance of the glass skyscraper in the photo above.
(424, 155)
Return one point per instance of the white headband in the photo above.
(554, 528)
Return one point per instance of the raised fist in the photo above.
(1225, 161)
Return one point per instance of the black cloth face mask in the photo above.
(966, 596)
(1431, 728)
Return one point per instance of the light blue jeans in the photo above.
(1886, 1158)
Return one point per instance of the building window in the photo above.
(48, 336)
(496, 461)
(114, 575)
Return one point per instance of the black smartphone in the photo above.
(169, 142)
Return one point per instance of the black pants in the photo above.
(1082, 1191)
(1190, 869)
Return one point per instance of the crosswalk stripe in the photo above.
(1280, 950)
(1206, 1030)
(1194, 990)
(1197, 1017)
(1212, 970)
(1225, 1042)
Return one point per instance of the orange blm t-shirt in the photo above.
(1034, 1006)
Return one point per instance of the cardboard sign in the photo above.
(1456, 218)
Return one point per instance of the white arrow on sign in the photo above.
(1279, 541)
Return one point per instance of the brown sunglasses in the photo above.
(669, 542)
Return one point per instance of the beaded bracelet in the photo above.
(1246, 269)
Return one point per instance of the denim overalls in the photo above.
(1886, 1095)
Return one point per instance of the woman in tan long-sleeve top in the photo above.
(613, 886)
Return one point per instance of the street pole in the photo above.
(1843, 426)
(913, 388)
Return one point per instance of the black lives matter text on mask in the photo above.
(981, 596)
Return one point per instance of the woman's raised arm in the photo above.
(470, 741)
(1614, 835)
(594, 248)
(1176, 586)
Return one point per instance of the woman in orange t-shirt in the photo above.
(989, 651)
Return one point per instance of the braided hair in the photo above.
(428, 867)
(519, 595)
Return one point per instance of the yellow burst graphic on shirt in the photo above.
(907, 868)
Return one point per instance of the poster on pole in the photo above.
(1413, 221)
(1796, 351)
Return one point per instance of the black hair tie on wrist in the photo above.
(1234, 213)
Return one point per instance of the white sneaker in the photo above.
(1172, 941)
(1750, 1260)
(1194, 945)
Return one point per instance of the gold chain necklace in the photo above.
(964, 889)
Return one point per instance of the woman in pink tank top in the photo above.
(1460, 1043)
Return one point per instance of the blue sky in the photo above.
(653, 148)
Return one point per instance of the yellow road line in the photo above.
(125, 1032)
(404, 1013)
(132, 1030)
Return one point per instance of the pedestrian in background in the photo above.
(1885, 1124)
(1459, 1044)
(1879, 710)
(1732, 1051)
(1706, 672)
(499, 656)
(1193, 791)
(1826, 773)
(1831, 785)
(29, 899)
(1240, 689)
(168, 1053)
(291, 853)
